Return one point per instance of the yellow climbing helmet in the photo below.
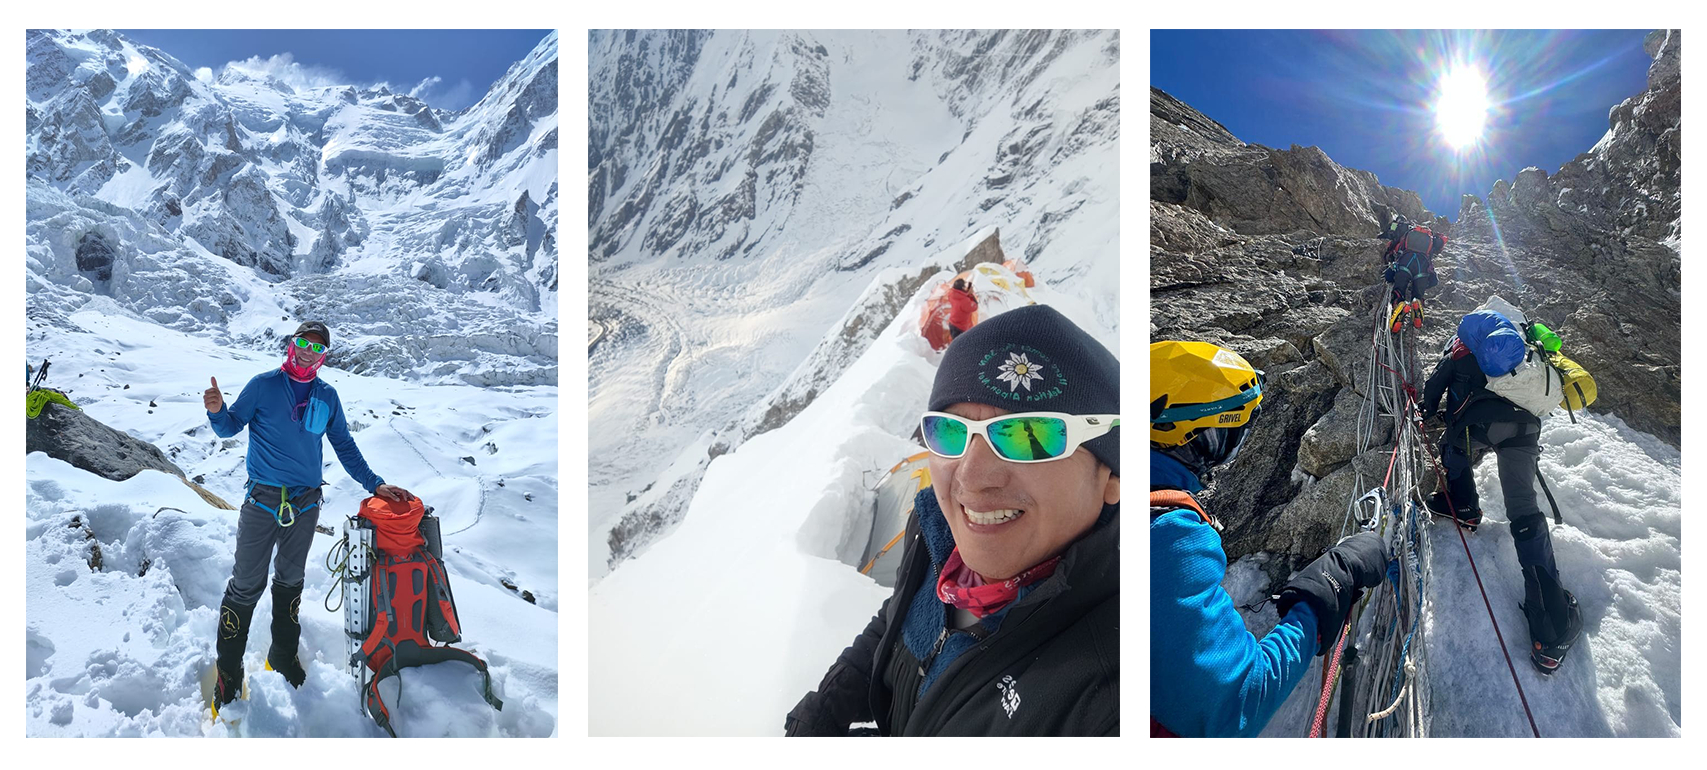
(1195, 386)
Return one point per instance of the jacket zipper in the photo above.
(941, 638)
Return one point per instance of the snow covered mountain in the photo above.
(749, 192)
(1272, 253)
(176, 229)
(215, 206)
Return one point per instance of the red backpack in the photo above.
(410, 605)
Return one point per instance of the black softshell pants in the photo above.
(259, 533)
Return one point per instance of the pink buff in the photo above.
(302, 373)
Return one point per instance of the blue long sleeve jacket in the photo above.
(285, 447)
(1209, 677)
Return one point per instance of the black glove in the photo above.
(1333, 582)
(809, 717)
(1387, 275)
(837, 703)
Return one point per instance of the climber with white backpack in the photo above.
(1500, 374)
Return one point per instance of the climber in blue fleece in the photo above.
(1209, 677)
(288, 411)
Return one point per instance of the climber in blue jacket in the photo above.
(1209, 677)
(289, 412)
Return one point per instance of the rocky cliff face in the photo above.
(1271, 253)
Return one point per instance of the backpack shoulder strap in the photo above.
(411, 654)
(1169, 500)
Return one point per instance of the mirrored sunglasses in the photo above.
(1026, 437)
(310, 345)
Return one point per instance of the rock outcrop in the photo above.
(88, 444)
(1272, 253)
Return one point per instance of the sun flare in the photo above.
(1461, 110)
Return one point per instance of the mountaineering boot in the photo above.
(287, 631)
(1417, 313)
(1555, 620)
(1467, 517)
(1397, 321)
(233, 637)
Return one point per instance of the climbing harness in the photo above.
(285, 514)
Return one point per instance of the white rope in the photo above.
(1410, 671)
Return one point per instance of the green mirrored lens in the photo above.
(944, 436)
(1029, 438)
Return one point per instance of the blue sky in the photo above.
(1366, 97)
(465, 62)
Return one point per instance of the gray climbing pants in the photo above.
(259, 531)
(1517, 449)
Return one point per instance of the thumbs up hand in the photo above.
(212, 398)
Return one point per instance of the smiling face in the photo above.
(1007, 516)
(303, 356)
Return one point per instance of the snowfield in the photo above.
(119, 650)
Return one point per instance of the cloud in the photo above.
(294, 74)
(420, 90)
(433, 91)
(204, 74)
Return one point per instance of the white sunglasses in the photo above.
(1024, 437)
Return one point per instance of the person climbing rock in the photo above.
(962, 308)
(1409, 255)
(1006, 610)
(1209, 677)
(289, 411)
(1476, 417)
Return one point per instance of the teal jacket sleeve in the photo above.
(1209, 676)
(338, 432)
(230, 420)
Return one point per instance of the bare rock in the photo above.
(84, 442)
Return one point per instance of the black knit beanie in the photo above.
(1032, 359)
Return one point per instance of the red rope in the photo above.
(1329, 678)
(1390, 464)
(1440, 476)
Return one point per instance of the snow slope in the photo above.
(740, 611)
(119, 650)
(745, 187)
(1619, 550)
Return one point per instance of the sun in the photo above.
(1461, 109)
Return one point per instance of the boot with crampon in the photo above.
(1468, 517)
(1555, 620)
(287, 632)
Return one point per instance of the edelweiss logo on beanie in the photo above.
(1020, 373)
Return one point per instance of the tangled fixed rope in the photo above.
(1386, 628)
